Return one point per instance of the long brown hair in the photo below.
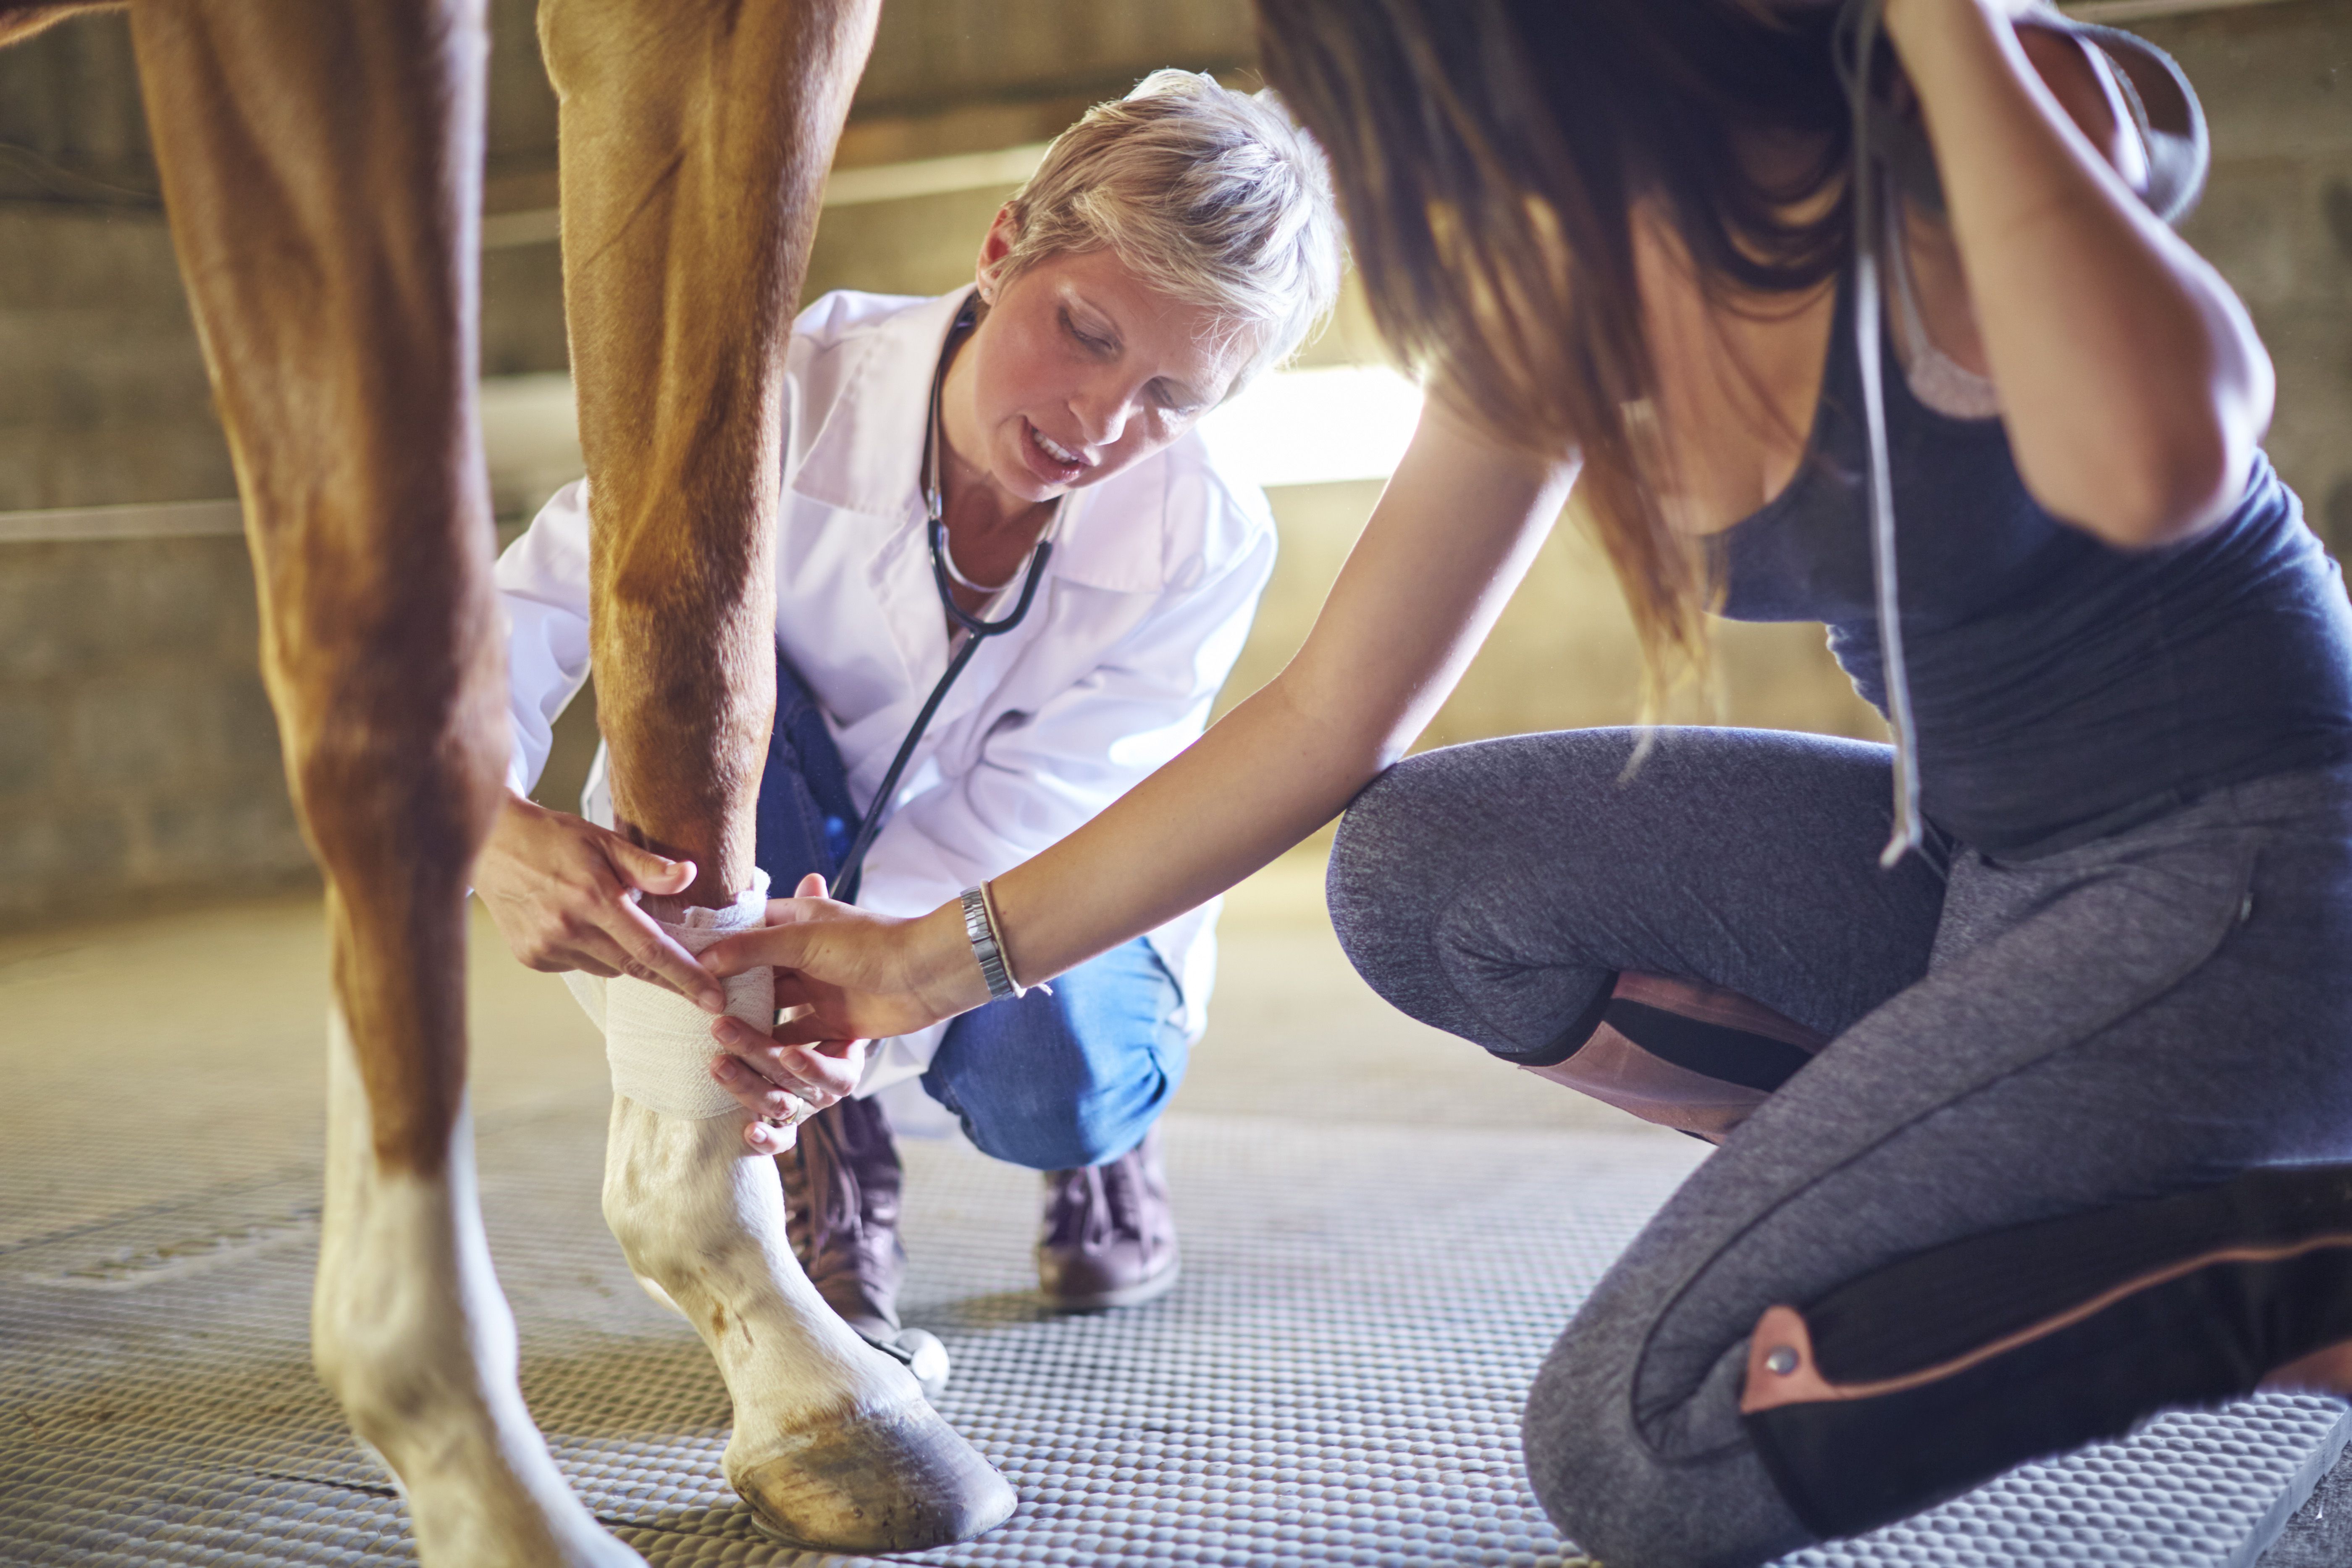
(1487, 155)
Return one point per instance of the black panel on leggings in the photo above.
(1945, 1302)
(1714, 1051)
(1850, 1465)
(1574, 1038)
(2201, 1338)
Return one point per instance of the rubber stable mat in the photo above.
(1335, 1380)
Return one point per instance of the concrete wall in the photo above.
(138, 757)
(2277, 218)
(135, 759)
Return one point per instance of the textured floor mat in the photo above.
(1334, 1381)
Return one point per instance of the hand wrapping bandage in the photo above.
(659, 1043)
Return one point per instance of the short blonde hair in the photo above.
(1212, 196)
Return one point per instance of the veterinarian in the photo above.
(1019, 455)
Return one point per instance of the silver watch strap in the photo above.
(986, 947)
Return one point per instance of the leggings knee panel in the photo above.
(1921, 1379)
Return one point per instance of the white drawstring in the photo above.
(1863, 17)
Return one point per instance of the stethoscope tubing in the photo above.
(849, 876)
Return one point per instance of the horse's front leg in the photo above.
(322, 165)
(695, 138)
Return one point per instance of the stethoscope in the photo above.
(944, 576)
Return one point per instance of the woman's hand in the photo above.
(562, 892)
(842, 972)
(782, 1083)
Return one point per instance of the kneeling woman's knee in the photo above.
(1621, 1499)
(1066, 1112)
(1063, 1136)
(1393, 845)
(1073, 1077)
(1576, 1457)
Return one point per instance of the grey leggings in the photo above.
(2155, 1010)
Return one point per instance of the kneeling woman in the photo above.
(2024, 1138)
(1014, 459)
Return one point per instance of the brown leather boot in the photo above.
(840, 1211)
(1109, 1237)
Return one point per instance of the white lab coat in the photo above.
(1155, 574)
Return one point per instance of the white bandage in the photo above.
(659, 1043)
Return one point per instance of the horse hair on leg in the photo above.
(323, 171)
(834, 1441)
(694, 136)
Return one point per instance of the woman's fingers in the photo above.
(597, 951)
(754, 1053)
(641, 868)
(762, 1096)
(839, 959)
(751, 950)
(761, 1137)
(797, 930)
(647, 952)
(791, 1068)
(653, 955)
(832, 1068)
(800, 1019)
(764, 1082)
(560, 889)
(774, 1074)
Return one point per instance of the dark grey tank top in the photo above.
(2063, 689)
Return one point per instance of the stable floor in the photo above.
(1383, 1230)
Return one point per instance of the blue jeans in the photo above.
(1051, 1082)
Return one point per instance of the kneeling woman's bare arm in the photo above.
(1452, 535)
(2134, 387)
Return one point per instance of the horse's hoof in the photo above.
(898, 1481)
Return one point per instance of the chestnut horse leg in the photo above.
(321, 166)
(695, 136)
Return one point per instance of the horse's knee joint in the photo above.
(372, 798)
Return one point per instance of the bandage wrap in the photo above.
(659, 1044)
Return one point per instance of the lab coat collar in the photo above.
(867, 456)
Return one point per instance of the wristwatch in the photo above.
(987, 946)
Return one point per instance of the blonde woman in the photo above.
(1170, 245)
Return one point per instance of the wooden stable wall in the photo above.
(136, 759)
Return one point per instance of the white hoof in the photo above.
(897, 1481)
(835, 1445)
